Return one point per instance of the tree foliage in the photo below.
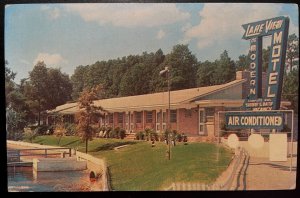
(16, 109)
(291, 88)
(243, 62)
(205, 73)
(87, 113)
(46, 88)
(292, 49)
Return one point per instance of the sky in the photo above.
(68, 35)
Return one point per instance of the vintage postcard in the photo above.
(151, 96)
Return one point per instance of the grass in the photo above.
(142, 167)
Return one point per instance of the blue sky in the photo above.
(68, 35)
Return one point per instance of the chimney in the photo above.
(245, 87)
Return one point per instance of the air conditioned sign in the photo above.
(254, 120)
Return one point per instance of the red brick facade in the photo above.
(188, 121)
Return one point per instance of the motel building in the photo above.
(194, 111)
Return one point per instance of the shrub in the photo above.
(166, 134)
(116, 133)
(50, 130)
(70, 128)
(140, 135)
(153, 136)
(40, 130)
(179, 137)
(148, 134)
(122, 133)
(108, 132)
(111, 134)
(174, 135)
(161, 136)
(29, 134)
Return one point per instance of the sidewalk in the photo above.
(263, 174)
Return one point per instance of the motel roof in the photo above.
(151, 101)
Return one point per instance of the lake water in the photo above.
(25, 179)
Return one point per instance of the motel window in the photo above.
(149, 117)
(138, 117)
(164, 117)
(201, 116)
(210, 111)
(173, 115)
(120, 117)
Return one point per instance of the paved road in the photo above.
(263, 174)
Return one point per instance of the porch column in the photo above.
(143, 115)
(177, 120)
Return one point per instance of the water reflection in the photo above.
(25, 179)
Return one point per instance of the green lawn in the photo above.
(142, 167)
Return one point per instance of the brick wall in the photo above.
(188, 124)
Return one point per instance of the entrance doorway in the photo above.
(201, 121)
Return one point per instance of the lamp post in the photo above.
(166, 72)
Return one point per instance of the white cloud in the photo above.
(50, 59)
(222, 22)
(160, 34)
(129, 15)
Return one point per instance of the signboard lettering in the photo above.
(255, 120)
(278, 28)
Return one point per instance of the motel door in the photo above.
(201, 121)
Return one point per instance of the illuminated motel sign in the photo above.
(259, 105)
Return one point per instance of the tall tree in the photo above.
(224, 70)
(39, 83)
(292, 50)
(87, 113)
(78, 80)
(9, 83)
(243, 62)
(290, 90)
(46, 88)
(183, 67)
(205, 73)
(265, 58)
(59, 89)
(16, 109)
